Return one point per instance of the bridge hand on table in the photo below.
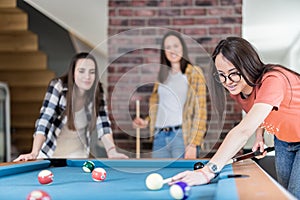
(197, 177)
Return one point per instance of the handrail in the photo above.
(7, 121)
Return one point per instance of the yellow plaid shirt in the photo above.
(195, 111)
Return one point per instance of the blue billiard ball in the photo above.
(180, 190)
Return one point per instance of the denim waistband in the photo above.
(169, 128)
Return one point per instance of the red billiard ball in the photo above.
(99, 174)
(38, 195)
(45, 177)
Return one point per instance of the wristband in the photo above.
(111, 148)
(206, 177)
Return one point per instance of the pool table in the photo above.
(126, 180)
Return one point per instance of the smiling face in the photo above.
(225, 67)
(173, 49)
(84, 74)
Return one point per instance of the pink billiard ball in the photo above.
(99, 174)
(38, 195)
(45, 177)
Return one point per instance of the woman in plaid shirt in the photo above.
(177, 116)
(73, 106)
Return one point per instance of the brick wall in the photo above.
(135, 31)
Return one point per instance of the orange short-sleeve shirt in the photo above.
(282, 91)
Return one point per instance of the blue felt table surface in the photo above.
(125, 180)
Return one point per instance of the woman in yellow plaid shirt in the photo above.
(177, 106)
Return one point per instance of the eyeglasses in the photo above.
(222, 78)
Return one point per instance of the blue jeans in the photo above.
(287, 163)
(168, 144)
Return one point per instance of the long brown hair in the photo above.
(94, 96)
(164, 71)
(245, 59)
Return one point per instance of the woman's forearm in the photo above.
(108, 142)
(38, 142)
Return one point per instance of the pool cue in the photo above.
(137, 130)
(249, 155)
(241, 157)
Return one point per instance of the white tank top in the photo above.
(72, 144)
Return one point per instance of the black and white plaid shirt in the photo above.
(52, 120)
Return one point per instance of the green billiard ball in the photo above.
(88, 166)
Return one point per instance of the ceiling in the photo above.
(273, 27)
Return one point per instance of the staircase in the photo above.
(24, 68)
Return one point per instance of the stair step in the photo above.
(24, 68)
(27, 94)
(27, 78)
(8, 3)
(22, 138)
(13, 19)
(30, 60)
(26, 108)
(23, 133)
(18, 41)
(23, 121)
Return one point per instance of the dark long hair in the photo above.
(245, 59)
(94, 95)
(164, 71)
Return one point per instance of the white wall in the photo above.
(273, 27)
(87, 20)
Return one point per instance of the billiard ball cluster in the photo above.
(98, 173)
(45, 177)
(179, 190)
(154, 181)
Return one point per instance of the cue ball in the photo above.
(154, 181)
(45, 177)
(198, 165)
(180, 190)
(99, 174)
(38, 195)
(88, 166)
